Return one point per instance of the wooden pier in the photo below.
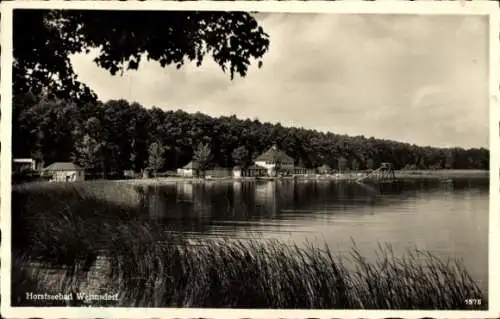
(385, 173)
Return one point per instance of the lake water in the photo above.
(449, 219)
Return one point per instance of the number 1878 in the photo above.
(473, 302)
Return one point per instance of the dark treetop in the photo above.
(44, 39)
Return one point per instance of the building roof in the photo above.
(274, 154)
(191, 165)
(23, 160)
(63, 166)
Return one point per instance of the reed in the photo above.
(271, 274)
(262, 274)
(150, 267)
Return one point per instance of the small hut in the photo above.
(65, 172)
(191, 169)
(324, 169)
(218, 172)
(237, 170)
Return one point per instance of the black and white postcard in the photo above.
(249, 159)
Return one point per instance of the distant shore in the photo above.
(399, 174)
(442, 173)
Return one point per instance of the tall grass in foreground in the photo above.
(60, 232)
(271, 274)
(268, 274)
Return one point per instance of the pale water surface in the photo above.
(449, 218)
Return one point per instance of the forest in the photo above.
(58, 118)
(117, 136)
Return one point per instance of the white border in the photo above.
(381, 7)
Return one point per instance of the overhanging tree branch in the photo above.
(45, 39)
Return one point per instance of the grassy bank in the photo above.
(73, 194)
(60, 232)
(442, 174)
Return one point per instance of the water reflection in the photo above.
(449, 218)
(198, 207)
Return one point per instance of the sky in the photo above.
(411, 78)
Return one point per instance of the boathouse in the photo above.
(191, 169)
(274, 159)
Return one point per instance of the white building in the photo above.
(274, 158)
(23, 164)
(192, 169)
(65, 172)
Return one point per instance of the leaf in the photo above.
(44, 40)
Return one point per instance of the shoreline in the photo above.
(439, 174)
(352, 176)
(400, 175)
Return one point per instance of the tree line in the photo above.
(117, 136)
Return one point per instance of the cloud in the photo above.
(420, 79)
(425, 93)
